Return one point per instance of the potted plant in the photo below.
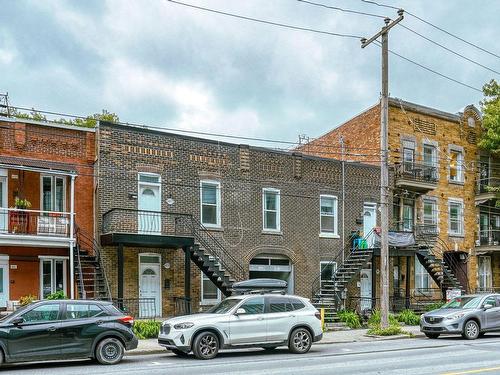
(19, 219)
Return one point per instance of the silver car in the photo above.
(265, 321)
(470, 315)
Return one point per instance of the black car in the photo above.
(66, 329)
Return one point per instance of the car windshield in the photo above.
(224, 306)
(463, 303)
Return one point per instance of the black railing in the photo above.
(139, 308)
(426, 230)
(488, 185)
(417, 172)
(489, 237)
(182, 306)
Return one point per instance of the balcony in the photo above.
(146, 228)
(34, 228)
(419, 178)
(489, 238)
(487, 189)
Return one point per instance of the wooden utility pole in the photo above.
(384, 168)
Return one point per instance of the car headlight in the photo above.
(455, 316)
(422, 317)
(183, 325)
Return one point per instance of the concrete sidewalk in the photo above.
(151, 346)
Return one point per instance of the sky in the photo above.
(162, 64)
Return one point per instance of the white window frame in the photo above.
(333, 234)
(278, 210)
(435, 211)
(53, 179)
(326, 262)
(208, 301)
(484, 276)
(421, 274)
(460, 163)
(218, 205)
(460, 232)
(52, 259)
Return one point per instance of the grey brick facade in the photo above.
(243, 171)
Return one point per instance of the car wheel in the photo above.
(180, 353)
(269, 348)
(300, 341)
(432, 335)
(471, 330)
(109, 351)
(1, 357)
(206, 345)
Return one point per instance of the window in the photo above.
(430, 216)
(408, 159)
(271, 209)
(484, 271)
(254, 306)
(82, 311)
(327, 270)
(408, 216)
(297, 304)
(277, 305)
(422, 277)
(430, 162)
(456, 166)
(44, 313)
(456, 218)
(210, 294)
(53, 276)
(328, 215)
(210, 203)
(53, 193)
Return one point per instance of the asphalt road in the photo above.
(408, 356)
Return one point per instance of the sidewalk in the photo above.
(151, 346)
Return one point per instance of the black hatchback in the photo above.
(66, 329)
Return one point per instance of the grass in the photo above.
(146, 329)
(392, 330)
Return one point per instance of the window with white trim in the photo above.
(52, 276)
(271, 209)
(210, 203)
(456, 166)
(430, 218)
(53, 193)
(422, 277)
(328, 214)
(210, 294)
(484, 273)
(408, 155)
(455, 218)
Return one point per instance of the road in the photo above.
(448, 356)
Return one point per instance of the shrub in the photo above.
(26, 300)
(408, 317)
(374, 320)
(57, 295)
(389, 331)
(350, 318)
(146, 329)
(434, 306)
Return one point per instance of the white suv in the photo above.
(267, 321)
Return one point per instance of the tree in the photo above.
(87, 122)
(490, 106)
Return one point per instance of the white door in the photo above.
(366, 289)
(3, 204)
(4, 282)
(149, 203)
(149, 290)
(369, 222)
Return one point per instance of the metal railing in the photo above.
(34, 222)
(140, 308)
(416, 172)
(489, 237)
(488, 185)
(182, 306)
(492, 289)
(426, 230)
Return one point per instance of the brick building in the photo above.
(46, 192)
(184, 217)
(437, 196)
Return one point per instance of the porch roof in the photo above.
(37, 165)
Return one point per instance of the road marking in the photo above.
(476, 371)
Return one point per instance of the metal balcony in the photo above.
(415, 177)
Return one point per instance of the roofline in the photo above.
(224, 143)
(50, 124)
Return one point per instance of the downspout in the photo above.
(72, 240)
(343, 198)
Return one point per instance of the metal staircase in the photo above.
(330, 294)
(90, 276)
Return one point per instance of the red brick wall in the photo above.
(361, 139)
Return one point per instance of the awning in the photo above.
(37, 165)
(397, 239)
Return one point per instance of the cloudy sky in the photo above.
(159, 63)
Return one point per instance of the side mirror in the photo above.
(240, 311)
(17, 321)
(487, 306)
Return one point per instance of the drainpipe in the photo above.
(72, 240)
(343, 197)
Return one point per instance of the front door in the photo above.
(366, 289)
(4, 213)
(149, 205)
(4, 281)
(149, 286)
(250, 327)
(369, 222)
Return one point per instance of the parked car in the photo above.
(471, 316)
(66, 329)
(264, 320)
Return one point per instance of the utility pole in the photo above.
(384, 167)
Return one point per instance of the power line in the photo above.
(343, 9)
(265, 21)
(436, 27)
